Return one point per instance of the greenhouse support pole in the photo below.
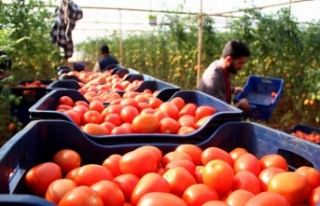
(199, 45)
(120, 39)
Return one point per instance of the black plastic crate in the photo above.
(66, 84)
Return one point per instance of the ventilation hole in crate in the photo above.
(294, 161)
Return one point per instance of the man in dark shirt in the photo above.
(106, 59)
(215, 80)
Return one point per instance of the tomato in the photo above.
(72, 174)
(187, 120)
(178, 101)
(314, 198)
(203, 111)
(108, 125)
(112, 164)
(151, 182)
(39, 177)
(138, 162)
(129, 102)
(58, 188)
(67, 159)
(145, 123)
(293, 186)
(96, 105)
(274, 160)
(169, 125)
(198, 173)
(114, 118)
(92, 173)
(312, 175)
(213, 153)
(66, 100)
(81, 109)
(160, 199)
(239, 197)
(179, 180)
(198, 194)
(141, 98)
(160, 115)
(112, 109)
(215, 203)
(192, 150)
(155, 102)
(247, 181)
(92, 117)
(128, 113)
(237, 152)
(188, 109)
(184, 130)
(267, 198)
(175, 155)
(188, 165)
(81, 195)
(95, 129)
(156, 151)
(171, 109)
(63, 107)
(202, 121)
(147, 111)
(219, 175)
(74, 116)
(127, 182)
(265, 176)
(109, 192)
(81, 102)
(121, 130)
(247, 162)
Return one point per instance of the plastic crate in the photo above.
(66, 84)
(133, 71)
(258, 92)
(40, 140)
(44, 109)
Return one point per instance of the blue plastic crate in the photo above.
(66, 84)
(44, 109)
(258, 91)
(40, 140)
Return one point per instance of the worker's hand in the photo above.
(244, 105)
(236, 90)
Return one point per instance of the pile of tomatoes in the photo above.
(312, 137)
(187, 176)
(136, 113)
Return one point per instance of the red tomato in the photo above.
(247, 181)
(267, 198)
(160, 115)
(129, 102)
(213, 153)
(67, 159)
(203, 111)
(312, 175)
(198, 174)
(156, 151)
(92, 173)
(171, 109)
(112, 164)
(92, 117)
(169, 125)
(314, 197)
(199, 194)
(239, 197)
(215, 203)
(112, 109)
(39, 177)
(184, 130)
(147, 111)
(96, 105)
(188, 109)
(265, 176)
(247, 162)
(192, 150)
(160, 199)
(95, 129)
(174, 155)
(66, 100)
(63, 107)
(237, 152)
(113, 118)
(187, 120)
(274, 160)
(58, 188)
(151, 182)
(108, 125)
(120, 130)
(109, 192)
(127, 182)
(81, 102)
(74, 116)
(145, 123)
(72, 174)
(155, 102)
(128, 113)
(138, 162)
(202, 121)
(81, 195)
(178, 101)
(188, 165)
(179, 180)
(219, 175)
(81, 109)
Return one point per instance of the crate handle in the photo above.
(15, 177)
(294, 160)
(266, 80)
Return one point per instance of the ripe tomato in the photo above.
(155, 102)
(66, 100)
(58, 188)
(138, 162)
(179, 180)
(188, 109)
(236, 152)
(112, 164)
(160, 199)
(121, 130)
(239, 197)
(188, 165)
(151, 182)
(247, 162)
(199, 194)
(265, 176)
(96, 105)
(192, 150)
(108, 125)
(203, 111)
(39, 177)
(72, 174)
(128, 113)
(178, 101)
(129, 102)
(127, 182)
(156, 151)
(312, 175)
(81, 195)
(293, 186)
(219, 175)
(247, 181)
(81, 102)
(184, 130)
(147, 111)
(145, 123)
(274, 160)
(314, 197)
(95, 129)
(215, 203)
(112, 109)
(64, 107)
(187, 120)
(81, 109)
(171, 109)
(267, 198)
(198, 173)
(213, 153)
(160, 115)
(169, 125)
(74, 116)
(67, 159)
(202, 121)
(175, 155)
(92, 117)
(92, 173)
(114, 118)
(109, 192)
